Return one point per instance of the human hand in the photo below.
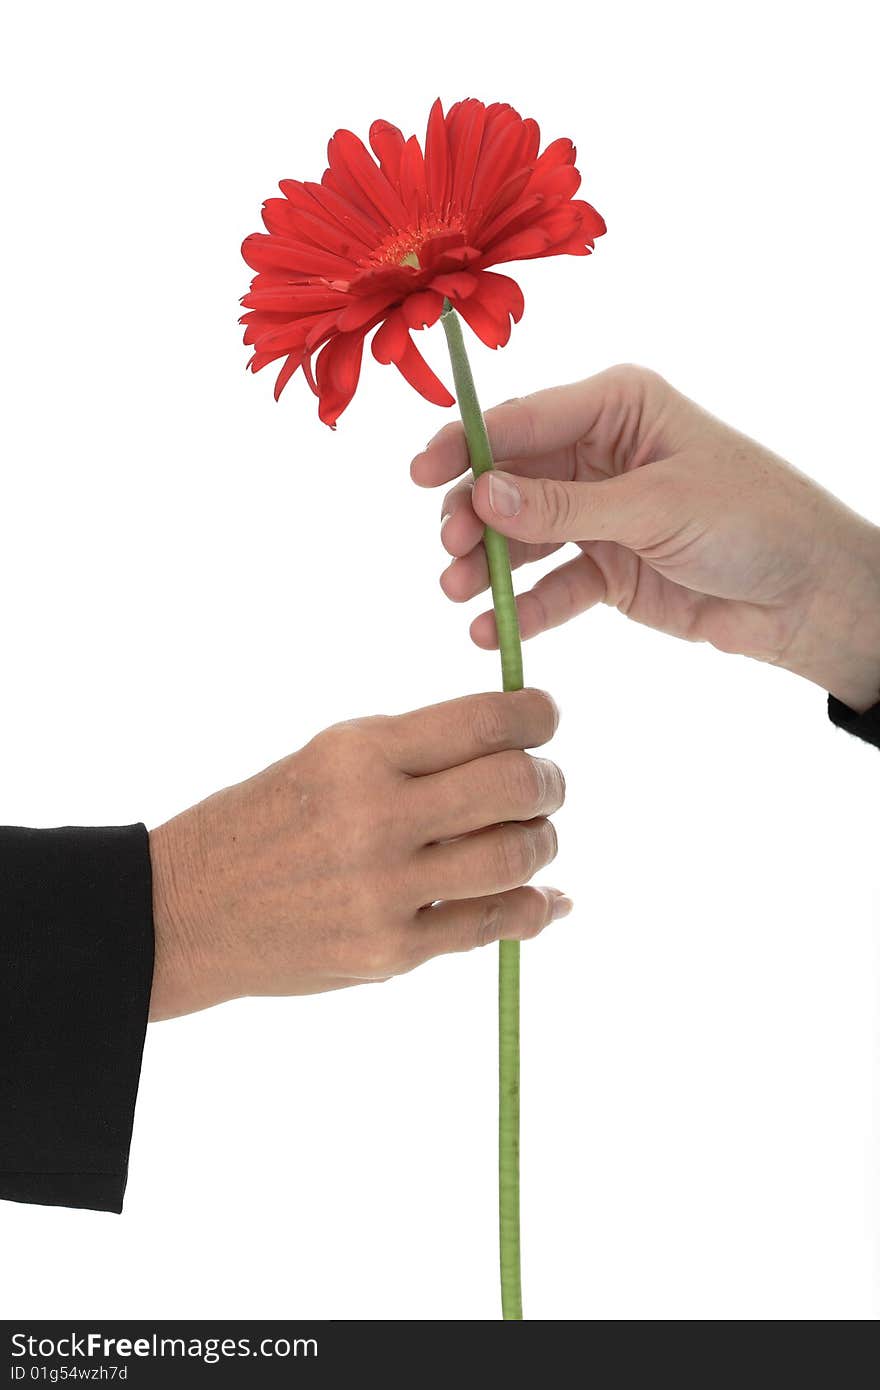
(381, 843)
(683, 524)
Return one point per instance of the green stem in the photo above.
(498, 556)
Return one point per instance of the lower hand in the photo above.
(380, 844)
(682, 523)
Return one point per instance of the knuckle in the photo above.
(526, 424)
(359, 755)
(629, 373)
(449, 433)
(560, 785)
(381, 960)
(343, 742)
(516, 854)
(539, 846)
(522, 781)
(549, 842)
(555, 505)
(490, 921)
(544, 715)
(456, 497)
(535, 919)
(631, 378)
(512, 426)
(411, 954)
(490, 721)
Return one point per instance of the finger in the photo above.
(468, 575)
(523, 428)
(440, 736)
(518, 915)
(460, 527)
(501, 787)
(562, 594)
(491, 861)
(537, 510)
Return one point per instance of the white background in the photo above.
(196, 579)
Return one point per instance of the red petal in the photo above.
(279, 216)
(276, 340)
(394, 280)
(422, 309)
(499, 294)
(437, 159)
(592, 222)
(521, 246)
(309, 375)
(258, 361)
(331, 206)
(556, 183)
(389, 342)
(337, 371)
(499, 158)
(293, 362)
(531, 141)
(492, 327)
(387, 143)
(311, 259)
(518, 216)
(258, 322)
(557, 152)
(295, 299)
(361, 310)
(347, 151)
(455, 259)
(413, 367)
(413, 189)
(559, 224)
(337, 181)
(328, 214)
(465, 145)
(456, 286)
(340, 185)
(320, 328)
(439, 244)
(506, 196)
(572, 246)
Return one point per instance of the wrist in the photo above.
(187, 973)
(837, 643)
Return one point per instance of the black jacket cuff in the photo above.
(866, 725)
(76, 969)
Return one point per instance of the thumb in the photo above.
(538, 510)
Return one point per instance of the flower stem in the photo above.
(498, 556)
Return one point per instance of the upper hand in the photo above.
(682, 523)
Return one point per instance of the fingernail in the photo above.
(505, 497)
(443, 520)
(561, 908)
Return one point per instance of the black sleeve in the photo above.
(76, 968)
(866, 726)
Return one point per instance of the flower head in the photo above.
(382, 244)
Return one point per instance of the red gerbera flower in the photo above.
(385, 244)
